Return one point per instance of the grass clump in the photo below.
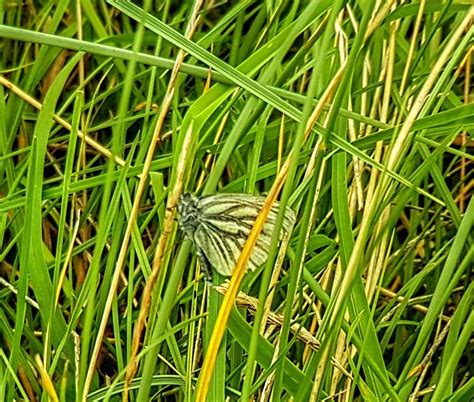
(357, 118)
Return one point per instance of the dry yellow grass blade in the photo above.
(234, 285)
(38, 105)
(46, 379)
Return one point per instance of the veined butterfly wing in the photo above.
(220, 224)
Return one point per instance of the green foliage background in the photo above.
(379, 266)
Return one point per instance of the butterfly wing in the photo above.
(218, 250)
(225, 224)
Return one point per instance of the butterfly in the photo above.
(219, 225)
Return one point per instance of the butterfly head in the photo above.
(189, 211)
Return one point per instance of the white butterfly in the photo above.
(219, 225)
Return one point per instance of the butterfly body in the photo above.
(219, 225)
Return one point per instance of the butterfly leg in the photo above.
(205, 267)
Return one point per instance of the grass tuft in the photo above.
(358, 118)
